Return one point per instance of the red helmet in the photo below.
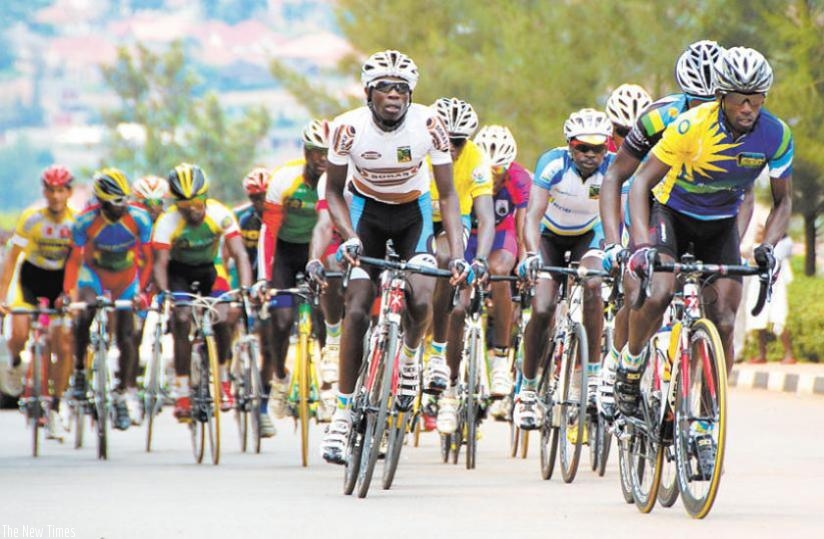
(257, 181)
(57, 176)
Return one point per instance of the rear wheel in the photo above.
(624, 449)
(302, 371)
(668, 491)
(255, 394)
(549, 431)
(701, 420)
(35, 407)
(473, 398)
(397, 432)
(101, 401)
(151, 390)
(573, 401)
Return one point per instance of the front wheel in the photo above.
(573, 401)
(101, 401)
(701, 419)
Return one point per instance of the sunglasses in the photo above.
(621, 130)
(118, 202)
(457, 143)
(588, 148)
(192, 204)
(153, 202)
(386, 86)
(737, 99)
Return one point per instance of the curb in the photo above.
(774, 380)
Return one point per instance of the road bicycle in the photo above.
(376, 388)
(155, 385)
(683, 403)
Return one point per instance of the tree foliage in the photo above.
(20, 173)
(159, 122)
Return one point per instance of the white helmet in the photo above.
(457, 115)
(693, 70)
(389, 63)
(316, 134)
(151, 188)
(626, 103)
(588, 125)
(498, 143)
(740, 69)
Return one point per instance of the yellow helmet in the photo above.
(187, 181)
(111, 185)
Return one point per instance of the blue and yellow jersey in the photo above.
(249, 222)
(710, 170)
(650, 126)
(472, 173)
(112, 245)
(44, 239)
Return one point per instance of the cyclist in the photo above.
(186, 243)
(288, 219)
(110, 242)
(693, 71)
(624, 105)
(383, 146)
(43, 235)
(473, 185)
(705, 162)
(511, 183)
(250, 215)
(562, 215)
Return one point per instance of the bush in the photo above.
(805, 320)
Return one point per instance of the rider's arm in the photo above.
(72, 271)
(271, 221)
(745, 212)
(161, 268)
(146, 268)
(238, 252)
(10, 262)
(779, 218)
(321, 235)
(609, 202)
(646, 178)
(338, 210)
(450, 214)
(538, 200)
(484, 211)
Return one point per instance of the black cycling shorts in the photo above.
(183, 276)
(712, 242)
(36, 282)
(553, 247)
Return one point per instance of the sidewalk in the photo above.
(802, 378)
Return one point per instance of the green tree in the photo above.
(20, 173)
(159, 122)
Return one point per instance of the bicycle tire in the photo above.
(35, 407)
(101, 398)
(472, 408)
(241, 389)
(446, 447)
(79, 416)
(575, 360)
(456, 440)
(151, 394)
(709, 369)
(624, 474)
(647, 453)
(256, 389)
(302, 372)
(668, 490)
(605, 438)
(376, 419)
(397, 432)
(201, 411)
(549, 432)
(214, 419)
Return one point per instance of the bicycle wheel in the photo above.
(355, 444)
(668, 490)
(397, 432)
(646, 452)
(255, 396)
(456, 440)
(201, 406)
(241, 390)
(152, 400)
(473, 396)
(701, 419)
(378, 408)
(214, 420)
(604, 444)
(624, 449)
(549, 429)
(35, 407)
(101, 400)
(302, 373)
(573, 401)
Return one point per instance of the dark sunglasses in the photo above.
(587, 148)
(457, 143)
(386, 86)
(621, 130)
(737, 99)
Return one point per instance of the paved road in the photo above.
(773, 485)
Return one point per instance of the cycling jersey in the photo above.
(389, 166)
(195, 245)
(710, 171)
(649, 127)
(45, 241)
(249, 221)
(513, 195)
(573, 202)
(112, 245)
(472, 175)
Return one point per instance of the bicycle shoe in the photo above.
(54, 426)
(267, 428)
(407, 386)
(333, 445)
(703, 447)
(501, 376)
(606, 394)
(122, 421)
(627, 390)
(280, 388)
(447, 421)
(227, 399)
(437, 375)
(329, 363)
(528, 413)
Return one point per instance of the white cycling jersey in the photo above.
(573, 202)
(389, 166)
